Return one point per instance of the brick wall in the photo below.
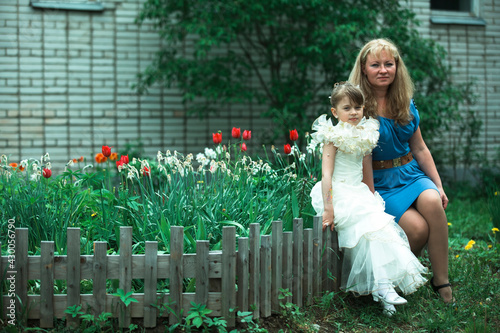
(474, 54)
(66, 77)
(65, 80)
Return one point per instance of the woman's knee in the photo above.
(429, 199)
(415, 226)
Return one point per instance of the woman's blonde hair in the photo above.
(399, 92)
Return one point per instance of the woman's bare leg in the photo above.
(429, 205)
(416, 229)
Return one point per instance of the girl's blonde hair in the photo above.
(399, 92)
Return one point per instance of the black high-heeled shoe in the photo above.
(436, 290)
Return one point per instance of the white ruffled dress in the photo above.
(375, 248)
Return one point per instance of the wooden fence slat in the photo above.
(254, 269)
(99, 278)
(265, 276)
(3, 275)
(176, 272)
(125, 273)
(47, 284)
(150, 281)
(22, 273)
(214, 282)
(73, 273)
(287, 264)
(308, 267)
(277, 264)
(242, 274)
(326, 262)
(298, 264)
(336, 260)
(228, 274)
(203, 266)
(317, 254)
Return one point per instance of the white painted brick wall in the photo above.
(65, 81)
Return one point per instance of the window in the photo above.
(464, 12)
(457, 5)
(88, 5)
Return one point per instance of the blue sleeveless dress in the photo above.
(398, 186)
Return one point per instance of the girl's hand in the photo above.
(444, 198)
(328, 221)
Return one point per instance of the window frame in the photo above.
(83, 5)
(473, 17)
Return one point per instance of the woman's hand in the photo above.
(328, 218)
(444, 198)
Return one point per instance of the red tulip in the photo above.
(294, 135)
(119, 165)
(124, 159)
(217, 137)
(247, 135)
(287, 148)
(243, 147)
(146, 171)
(46, 173)
(106, 151)
(236, 132)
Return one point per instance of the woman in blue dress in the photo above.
(404, 172)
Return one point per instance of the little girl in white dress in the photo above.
(377, 255)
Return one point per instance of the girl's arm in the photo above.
(368, 172)
(327, 166)
(424, 158)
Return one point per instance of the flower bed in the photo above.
(221, 186)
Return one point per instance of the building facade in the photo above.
(66, 70)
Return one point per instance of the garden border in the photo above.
(249, 279)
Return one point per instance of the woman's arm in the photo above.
(368, 172)
(424, 158)
(327, 166)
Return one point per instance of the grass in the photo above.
(474, 274)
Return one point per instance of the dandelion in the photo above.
(496, 193)
(470, 244)
(457, 256)
(490, 246)
(449, 224)
(494, 230)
